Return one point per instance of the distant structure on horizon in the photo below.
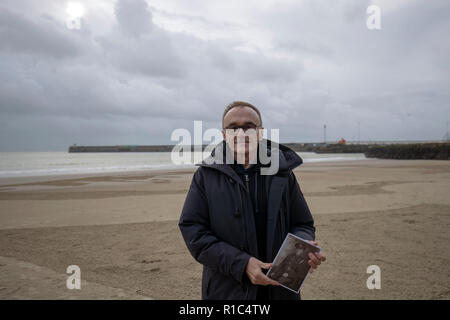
(296, 146)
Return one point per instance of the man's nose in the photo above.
(240, 132)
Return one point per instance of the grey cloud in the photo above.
(137, 46)
(135, 82)
(134, 17)
(42, 36)
(152, 55)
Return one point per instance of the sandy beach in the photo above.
(121, 230)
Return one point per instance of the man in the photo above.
(235, 219)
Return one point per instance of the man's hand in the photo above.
(256, 276)
(315, 259)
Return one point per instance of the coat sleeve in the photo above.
(301, 223)
(203, 245)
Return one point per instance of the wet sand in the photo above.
(121, 230)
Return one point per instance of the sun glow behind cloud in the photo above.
(75, 9)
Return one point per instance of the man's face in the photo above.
(242, 132)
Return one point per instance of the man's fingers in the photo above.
(314, 259)
(274, 283)
(256, 275)
(265, 265)
(312, 264)
(320, 256)
(262, 279)
(266, 281)
(254, 280)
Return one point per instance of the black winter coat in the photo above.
(218, 226)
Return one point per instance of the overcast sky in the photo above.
(136, 70)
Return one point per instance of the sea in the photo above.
(25, 164)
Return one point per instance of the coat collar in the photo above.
(288, 159)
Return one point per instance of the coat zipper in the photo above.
(243, 218)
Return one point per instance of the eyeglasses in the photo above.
(244, 128)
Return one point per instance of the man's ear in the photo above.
(224, 135)
(260, 133)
